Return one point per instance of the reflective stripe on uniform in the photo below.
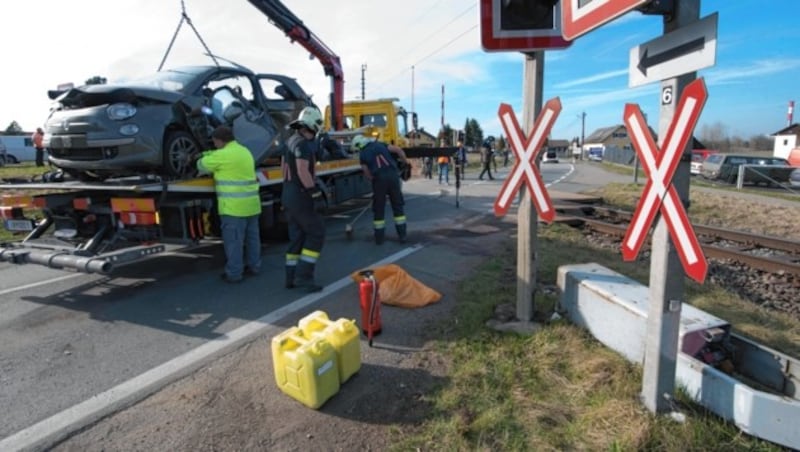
(291, 259)
(400, 220)
(234, 182)
(309, 256)
(243, 194)
(379, 224)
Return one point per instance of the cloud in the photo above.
(591, 79)
(756, 69)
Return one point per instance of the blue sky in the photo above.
(756, 74)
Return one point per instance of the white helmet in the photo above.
(310, 118)
(360, 141)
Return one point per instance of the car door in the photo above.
(251, 126)
(283, 99)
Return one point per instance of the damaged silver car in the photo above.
(152, 125)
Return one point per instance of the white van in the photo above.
(19, 148)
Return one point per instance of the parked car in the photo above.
(794, 178)
(153, 124)
(726, 167)
(698, 157)
(550, 156)
(595, 154)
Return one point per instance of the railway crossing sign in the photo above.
(659, 194)
(525, 153)
(579, 17)
(520, 26)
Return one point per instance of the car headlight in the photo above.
(120, 111)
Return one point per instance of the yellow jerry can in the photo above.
(305, 368)
(342, 334)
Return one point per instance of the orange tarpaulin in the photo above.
(397, 288)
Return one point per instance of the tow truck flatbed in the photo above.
(204, 184)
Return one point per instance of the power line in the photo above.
(447, 44)
(403, 71)
(424, 40)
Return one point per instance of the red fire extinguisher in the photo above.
(370, 305)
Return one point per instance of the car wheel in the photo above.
(11, 160)
(179, 146)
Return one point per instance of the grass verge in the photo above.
(560, 389)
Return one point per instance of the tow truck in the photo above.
(93, 227)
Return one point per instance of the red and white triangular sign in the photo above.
(579, 17)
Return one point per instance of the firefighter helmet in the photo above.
(310, 118)
(360, 141)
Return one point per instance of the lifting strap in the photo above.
(185, 18)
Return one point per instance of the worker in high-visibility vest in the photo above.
(306, 227)
(379, 167)
(238, 203)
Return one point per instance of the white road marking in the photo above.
(48, 431)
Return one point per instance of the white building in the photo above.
(786, 139)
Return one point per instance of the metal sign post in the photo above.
(527, 229)
(666, 273)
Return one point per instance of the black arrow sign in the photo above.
(686, 48)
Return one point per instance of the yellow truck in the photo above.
(382, 118)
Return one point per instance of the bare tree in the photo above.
(715, 136)
(761, 142)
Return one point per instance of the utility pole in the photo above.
(583, 131)
(412, 104)
(363, 80)
(442, 109)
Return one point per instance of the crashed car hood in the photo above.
(90, 95)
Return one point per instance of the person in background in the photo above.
(486, 159)
(379, 167)
(427, 168)
(461, 160)
(306, 226)
(444, 169)
(238, 203)
(38, 139)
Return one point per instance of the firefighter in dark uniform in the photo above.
(379, 167)
(306, 228)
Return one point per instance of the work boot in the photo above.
(401, 232)
(379, 236)
(290, 276)
(305, 277)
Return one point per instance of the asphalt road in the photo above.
(65, 337)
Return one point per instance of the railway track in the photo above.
(765, 253)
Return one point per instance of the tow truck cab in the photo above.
(382, 118)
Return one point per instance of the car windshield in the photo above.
(166, 80)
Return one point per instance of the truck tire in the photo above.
(179, 146)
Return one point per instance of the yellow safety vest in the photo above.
(234, 178)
